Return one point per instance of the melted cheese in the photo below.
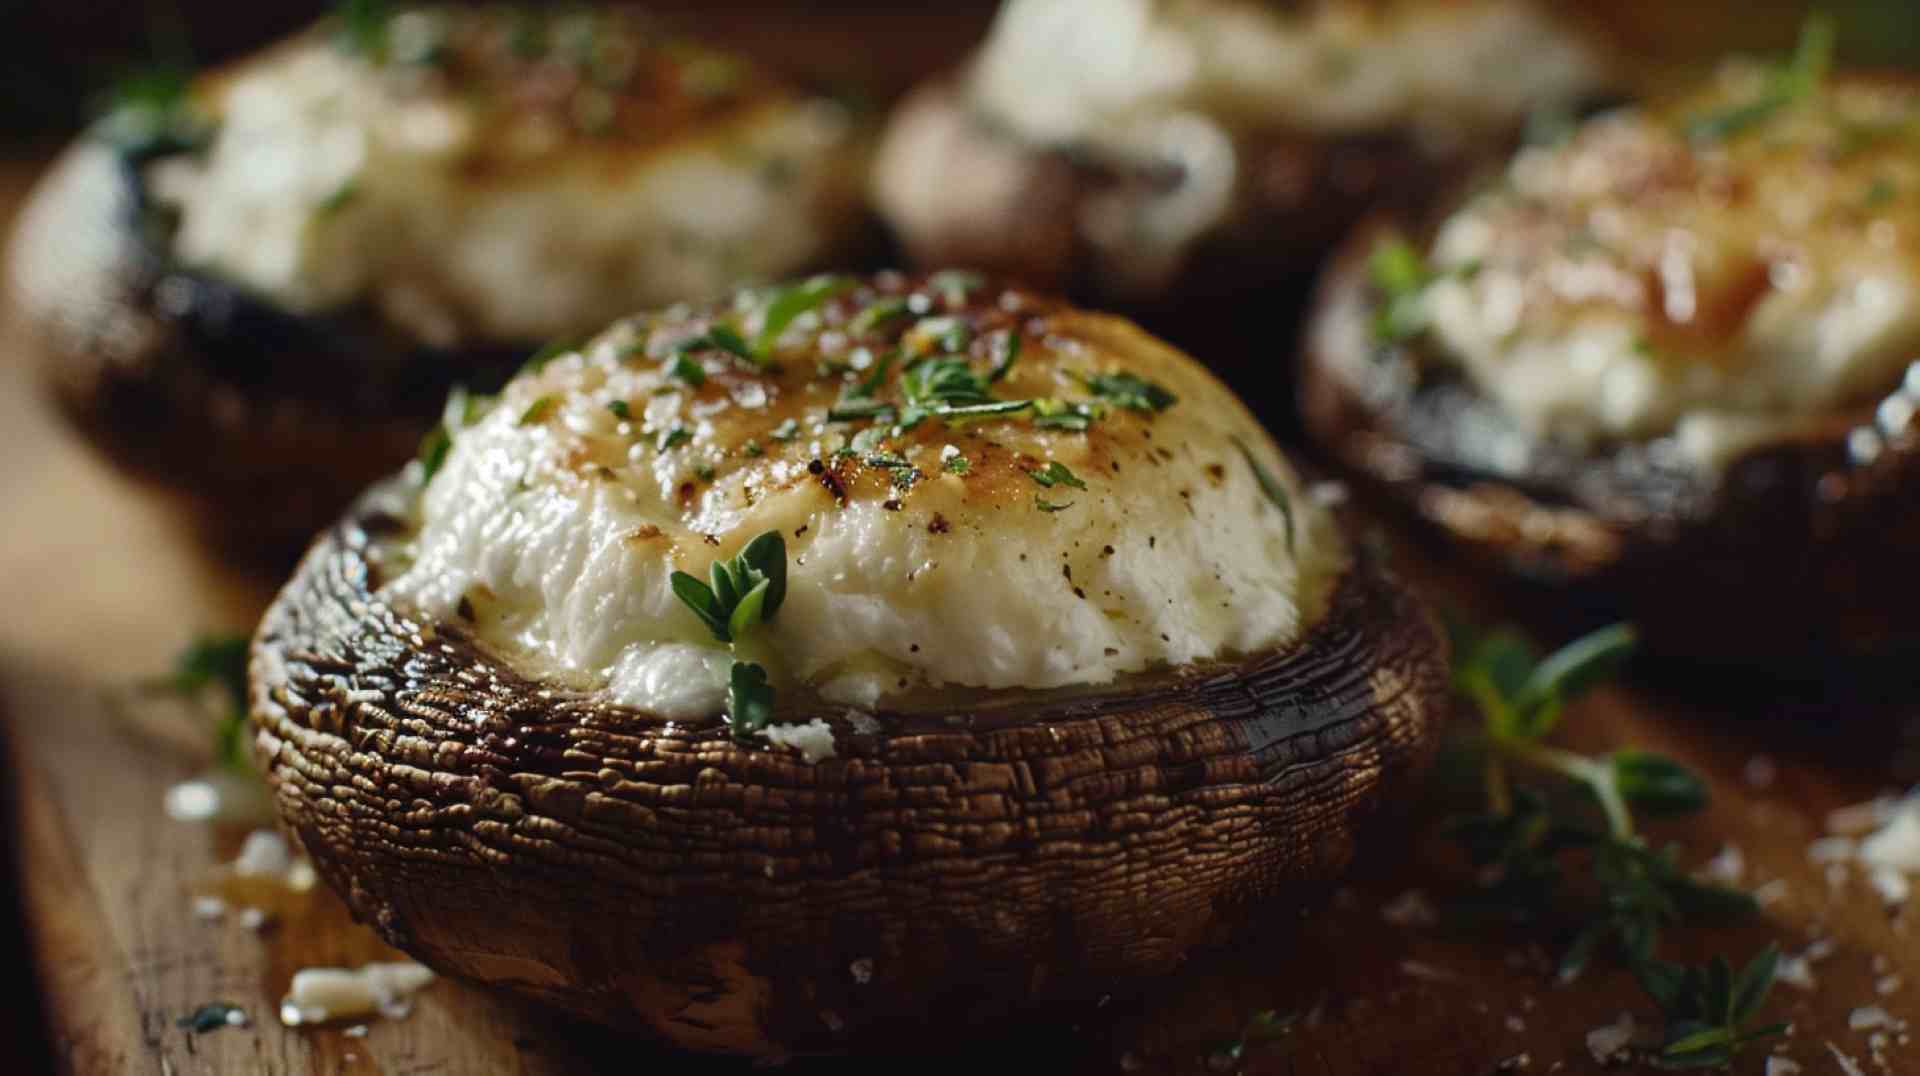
(555, 523)
(490, 198)
(1633, 284)
(1095, 72)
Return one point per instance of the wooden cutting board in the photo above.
(102, 585)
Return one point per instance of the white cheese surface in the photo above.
(557, 534)
(520, 203)
(1634, 284)
(1097, 71)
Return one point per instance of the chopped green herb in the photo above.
(1401, 276)
(703, 471)
(857, 410)
(1881, 192)
(433, 452)
(753, 450)
(538, 410)
(1271, 486)
(955, 413)
(1129, 391)
(1049, 506)
(1797, 80)
(788, 430)
(878, 313)
(673, 438)
(620, 409)
(149, 112)
(213, 1016)
(718, 337)
(362, 27)
(956, 464)
(953, 285)
(904, 474)
(877, 377)
(940, 334)
(739, 593)
(1054, 474)
(930, 384)
(792, 301)
(1006, 351)
(461, 410)
(342, 195)
(687, 371)
(1054, 414)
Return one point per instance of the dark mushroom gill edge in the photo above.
(659, 877)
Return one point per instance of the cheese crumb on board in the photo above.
(320, 995)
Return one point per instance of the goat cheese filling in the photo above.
(506, 176)
(1716, 271)
(1095, 505)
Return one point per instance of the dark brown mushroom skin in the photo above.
(1799, 551)
(264, 424)
(1298, 193)
(663, 879)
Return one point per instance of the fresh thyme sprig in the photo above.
(1521, 840)
(789, 303)
(739, 595)
(215, 662)
(1401, 276)
(1796, 80)
(1710, 1008)
(361, 29)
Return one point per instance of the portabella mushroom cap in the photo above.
(1798, 550)
(1201, 179)
(948, 861)
(267, 418)
(1789, 545)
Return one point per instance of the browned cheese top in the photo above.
(975, 485)
(1711, 269)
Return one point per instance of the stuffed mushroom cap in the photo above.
(1681, 333)
(1059, 670)
(1129, 147)
(506, 174)
(231, 279)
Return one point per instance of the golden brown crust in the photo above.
(1799, 548)
(605, 83)
(659, 877)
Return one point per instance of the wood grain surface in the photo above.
(102, 585)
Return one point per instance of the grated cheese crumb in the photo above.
(1610, 1042)
(814, 740)
(319, 995)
